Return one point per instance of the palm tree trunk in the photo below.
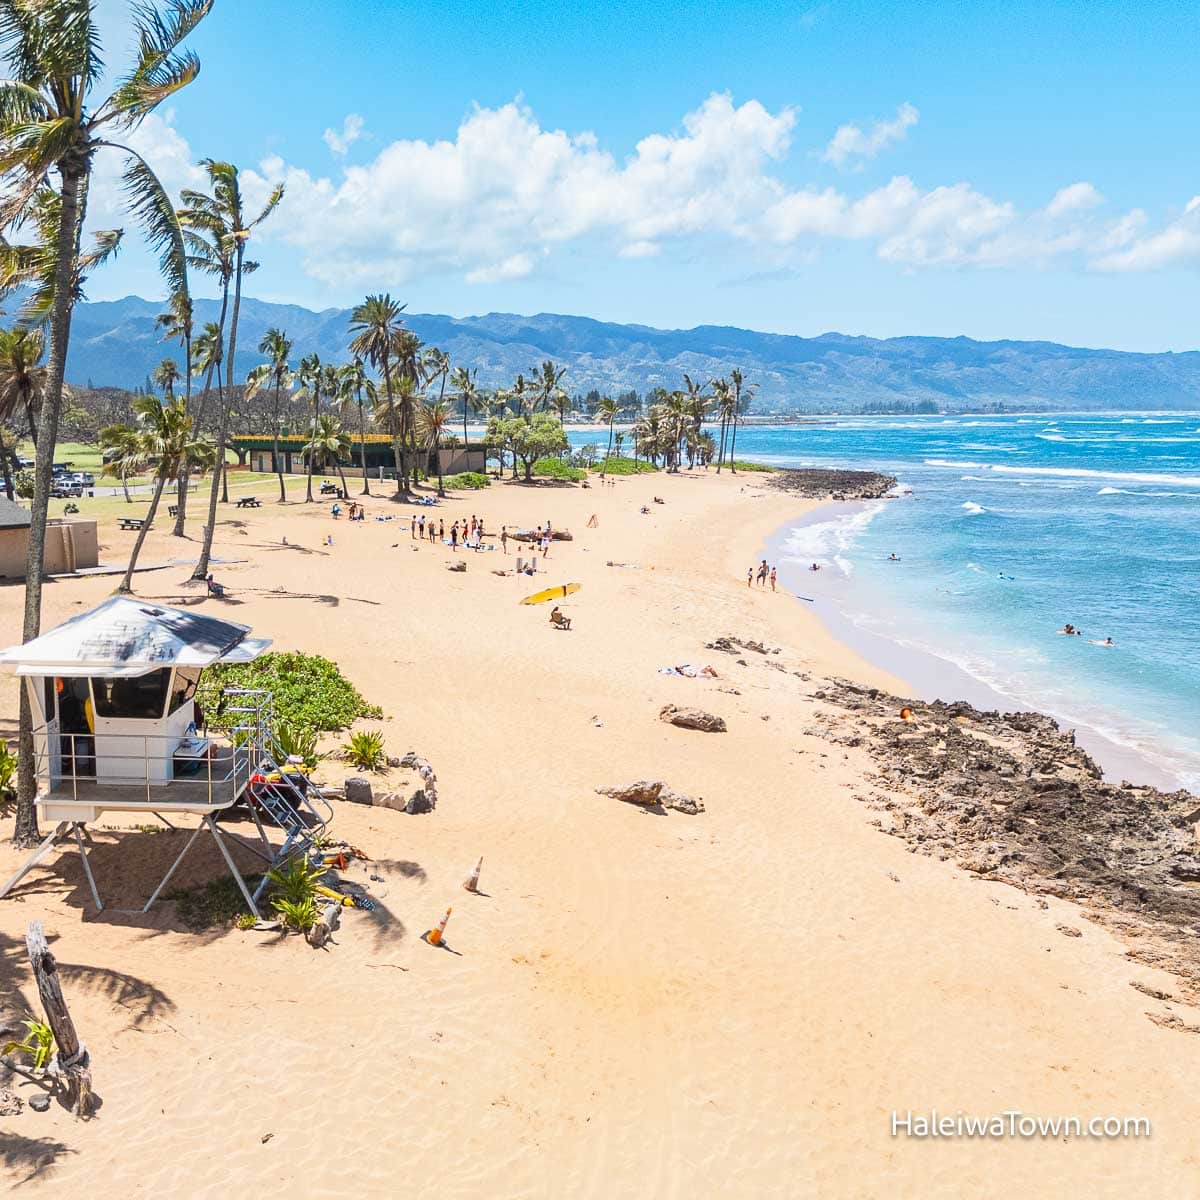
(4, 465)
(201, 571)
(397, 434)
(342, 477)
(185, 469)
(276, 461)
(32, 425)
(733, 443)
(312, 433)
(362, 446)
(73, 207)
(125, 486)
(127, 582)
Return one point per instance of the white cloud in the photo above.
(505, 195)
(515, 267)
(352, 130)
(851, 142)
(1076, 197)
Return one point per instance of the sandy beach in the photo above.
(727, 1004)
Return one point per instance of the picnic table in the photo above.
(249, 502)
(132, 522)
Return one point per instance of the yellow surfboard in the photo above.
(554, 593)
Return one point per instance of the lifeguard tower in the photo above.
(117, 729)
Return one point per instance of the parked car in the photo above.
(63, 487)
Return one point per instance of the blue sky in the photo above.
(1022, 170)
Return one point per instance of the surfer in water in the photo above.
(1069, 630)
(1106, 643)
(892, 558)
(815, 567)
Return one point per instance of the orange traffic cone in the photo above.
(434, 936)
(472, 884)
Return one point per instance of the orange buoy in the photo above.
(434, 936)
(472, 884)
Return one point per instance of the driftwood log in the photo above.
(71, 1061)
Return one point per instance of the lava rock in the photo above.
(692, 718)
(358, 790)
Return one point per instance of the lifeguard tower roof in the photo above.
(128, 637)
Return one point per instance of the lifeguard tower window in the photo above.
(184, 687)
(141, 698)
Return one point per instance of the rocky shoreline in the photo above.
(1011, 797)
(827, 484)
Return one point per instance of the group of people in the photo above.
(763, 574)
(1069, 630)
(356, 512)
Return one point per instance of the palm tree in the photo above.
(607, 410)
(723, 395)
(50, 122)
(312, 378)
(468, 395)
(352, 381)
(165, 436)
(277, 346)
(328, 444)
(22, 381)
(743, 393)
(375, 325)
(122, 449)
(219, 231)
(178, 323)
(546, 379)
(166, 375)
(697, 408)
(432, 422)
(389, 415)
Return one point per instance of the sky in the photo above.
(1023, 170)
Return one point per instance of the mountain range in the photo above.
(116, 343)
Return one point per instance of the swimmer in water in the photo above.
(1068, 630)
(815, 567)
(892, 558)
(1106, 643)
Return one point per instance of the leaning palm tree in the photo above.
(697, 405)
(545, 381)
(22, 381)
(722, 392)
(312, 379)
(352, 382)
(328, 445)
(166, 437)
(122, 448)
(432, 422)
(219, 229)
(607, 410)
(374, 326)
(50, 121)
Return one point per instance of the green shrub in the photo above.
(295, 880)
(557, 468)
(300, 915)
(295, 741)
(310, 692)
(245, 921)
(8, 778)
(751, 466)
(23, 484)
(38, 1044)
(468, 480)
(625, 466)
(365, 750)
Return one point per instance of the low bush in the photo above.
(8, 778)
(295, 741)
(38, 1044)
(625, 466)
(365, 750)
(311, 694)
(738, 465)
(557, 468)
(467, 481)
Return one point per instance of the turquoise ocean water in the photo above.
(1016, 525)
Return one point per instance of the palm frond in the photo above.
(160, 69)
(147, 199)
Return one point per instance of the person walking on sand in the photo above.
(504, 538)
(441, 529)
(454, 537)
(546, 544)
(413, 530)
(432, 532)
(772, 579)
(762, 573)
(421, 527)
(749, 577)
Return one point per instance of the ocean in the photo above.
(1016, 525)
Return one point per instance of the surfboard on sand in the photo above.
(554, 593)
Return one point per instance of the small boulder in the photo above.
(358, 790)
(692, 718)
(457, 566)
(419, 802)
(644, 791)
(679, 802)
(40, 1102)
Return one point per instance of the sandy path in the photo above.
(729, 1004)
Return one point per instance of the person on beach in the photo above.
(421, 527)
(336, 511)
(432, 532)
(772, 579)
(454, 537)
(413, 527)
(546, 544)
(441, 529)
(762, 573)
(750, 577)
(504, 538)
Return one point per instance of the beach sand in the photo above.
(722, 1005)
